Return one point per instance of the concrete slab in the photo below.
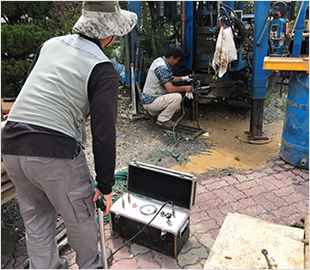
(241, 239)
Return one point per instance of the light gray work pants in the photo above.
(165, 106)
(46, 186)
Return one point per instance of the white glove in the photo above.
(187, 78)
(189, 95)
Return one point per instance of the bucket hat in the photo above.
(101, 19)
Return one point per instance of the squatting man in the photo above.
(160, 97)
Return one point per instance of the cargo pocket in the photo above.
(82, 203)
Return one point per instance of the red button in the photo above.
(134, 205)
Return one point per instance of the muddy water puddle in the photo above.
(231, 146)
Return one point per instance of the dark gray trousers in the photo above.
(46, 186)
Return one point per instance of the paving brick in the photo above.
(214, 232)
(204, 197)
(124, 264)
(116, 243)
(247, 202)
(284, 191)
(245, 185)
(279, 161)
(275, 181)
(230, 180)
(303, 189)
(166, 262)
(302, 206)
(241, 178)
(213, 203)
(197, 217)
(303, 173)
(254, 191)
(226, 197)
(216, 185)
(208, 181)
(253, 211)
(136, 249)
(237, 194)
(201, 189)
(216, 215)
(193, 256)
(225, 209)
(205, 239)
(266, 216)
(204, 226)
(278, 168)
(196, 209)
(266, 204)
(285, 211)
(288, 166)
(266, 182)
(192, 242)
(297, 179)
(275, 199)
(257, 175)
(269, 170)
(237, 206)
(146, 261)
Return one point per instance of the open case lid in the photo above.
(162, 184)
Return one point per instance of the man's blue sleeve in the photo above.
(163, 74)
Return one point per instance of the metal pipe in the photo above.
(102, 240)
(127, 60)
(183, 25)
(133, 89)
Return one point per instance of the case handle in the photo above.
(184, 227)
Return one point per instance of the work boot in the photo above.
(63, 264)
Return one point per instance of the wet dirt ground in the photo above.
(231, 147)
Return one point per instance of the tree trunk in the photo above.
(153, 24)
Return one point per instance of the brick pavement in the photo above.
(278, 194)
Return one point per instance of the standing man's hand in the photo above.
(107, 198)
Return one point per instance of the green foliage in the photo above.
(13, 74)
(147, 36)
(248, 7)
(25, 26)
(20, 40)
(283, 105)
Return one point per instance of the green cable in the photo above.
(179, 158)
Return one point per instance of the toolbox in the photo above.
(158, 202)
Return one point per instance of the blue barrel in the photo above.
(295, 136)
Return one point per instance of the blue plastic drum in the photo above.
(295, 136)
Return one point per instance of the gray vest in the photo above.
(152, 85)
(55, 93)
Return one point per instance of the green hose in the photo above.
(119, 188)
(180, 158)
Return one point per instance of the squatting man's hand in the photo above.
(187, 78)
(107, 198)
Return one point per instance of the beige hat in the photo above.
(101, 19)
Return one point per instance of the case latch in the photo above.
(116, 217)
(163, 234)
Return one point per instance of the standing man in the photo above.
(160, 97)
(70, 79)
